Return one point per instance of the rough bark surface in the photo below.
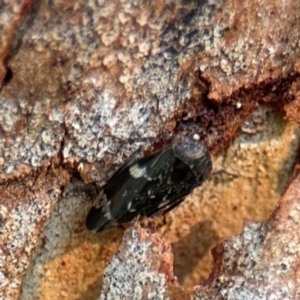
(261, 263)
(80, 82)
(141, 269)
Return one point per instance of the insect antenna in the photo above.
(221, 172)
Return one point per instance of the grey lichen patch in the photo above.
(242, 46)
(57, 237)
(147, 68)
(102, 121)
(24, 207)
(22, 148)
(134, 272)
(19, 231)
(133, 52)
(83, 53)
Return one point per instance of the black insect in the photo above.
(160, 180)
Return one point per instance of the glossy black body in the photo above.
(158, 181)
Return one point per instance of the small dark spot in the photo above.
(226, 259)
(191, 36)
(243, 265)
(283, 266)
(290, 97)
(142, 110)
(8, 76)
(187, 17)
(206, 32)
(50, 192)
(189, 2)
(171, 51)
(167, 30)
(234, 265)
(261, 238)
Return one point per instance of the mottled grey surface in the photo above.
(80, 81)
(133, 273)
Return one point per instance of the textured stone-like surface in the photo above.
(22, 216)
(68, 257)
(246, 39)
(79, 85)
(141, 269)
(292, 108)
(261, 158)
(12, 13)
(112, 60)
(263, 262)
(214, 212)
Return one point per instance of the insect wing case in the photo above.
(127, 189)
(152, 183)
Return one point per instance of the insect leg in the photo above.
(173, 205)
